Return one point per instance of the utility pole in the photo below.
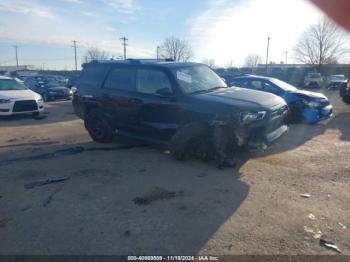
(125, 40)
(75, 53)
(158, 47)
(16, 47)
(286, 52)
(267, 52)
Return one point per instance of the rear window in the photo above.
(92, 76)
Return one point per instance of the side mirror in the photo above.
(164, 92)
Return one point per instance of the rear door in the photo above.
(118, 96)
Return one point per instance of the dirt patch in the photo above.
(157, 194)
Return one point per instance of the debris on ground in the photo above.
(26, 208)
(127, 233)
(50, 197)
(316, 234)
(0, 197)
(4, 221)
(305, 195)
(142, 170)
(45, 182)
(311, 216)
(67, 152)
(329, 245)
(342, 225)
(157, 194)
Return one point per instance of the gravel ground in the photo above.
(140, 200)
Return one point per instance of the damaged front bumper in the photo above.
(314, 115)
(268, 139)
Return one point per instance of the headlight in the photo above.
(248, 117)
(5, 101)
(40, 99)
(311, 104)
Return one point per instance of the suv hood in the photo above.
(308, 94)
(243, 97)
(19, 94)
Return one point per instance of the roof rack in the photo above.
(140, 60)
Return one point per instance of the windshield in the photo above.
(339, 78)
(285, 86)
(10, 84)
(193, 79)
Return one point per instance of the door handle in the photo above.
(136, 100)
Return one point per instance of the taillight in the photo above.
(348, 86)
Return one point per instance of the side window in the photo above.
(121, 79)
(253, 84)
(271, 88)
(237, 82)
(149, 81)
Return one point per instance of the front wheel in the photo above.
(98, 127)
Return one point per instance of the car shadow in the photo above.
(118, 200)
(59, 111)
(341, 122)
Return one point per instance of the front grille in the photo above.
(279, 112)
(276, 119)
(25, 105)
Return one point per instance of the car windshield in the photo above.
(285, 86)
(339, 78)
(10, 84)
(197, 79)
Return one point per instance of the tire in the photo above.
(98, 127)
(186, 136)
(346, 99)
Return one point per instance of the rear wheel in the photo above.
(187, 139)
(98, 127)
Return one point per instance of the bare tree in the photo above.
(177, 49)
(94, 53)
(322, 43)
(252, 60)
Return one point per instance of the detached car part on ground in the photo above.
(15, 98)
(183, 105)
(304, 105)
(48, 88)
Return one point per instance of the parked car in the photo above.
(71, 81)
(48, 88)
(343, 88)
(304, 105)
(336, 81)
(173, 103)
(15, 98)
(345, 93)
(313, 80)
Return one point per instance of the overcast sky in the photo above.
(224, 30)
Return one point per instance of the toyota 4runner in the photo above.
(173, 103)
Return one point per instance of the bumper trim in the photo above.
(268, 139)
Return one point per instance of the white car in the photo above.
(15, 98)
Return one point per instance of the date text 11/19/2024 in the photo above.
(173, 258)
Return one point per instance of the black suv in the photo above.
(175, 103)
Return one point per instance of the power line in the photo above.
(124, 44)
(16, 48)
(75, 53)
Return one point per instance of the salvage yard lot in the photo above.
(139, 200)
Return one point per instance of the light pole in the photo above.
(16, 48)
(267, 52)
(158, 47)
(124, 44)
(286, 52)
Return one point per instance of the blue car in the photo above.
(305, 106)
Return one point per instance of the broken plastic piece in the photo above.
(305, 195)
(329, 245)
(342, 225)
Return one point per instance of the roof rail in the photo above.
(140, 60)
